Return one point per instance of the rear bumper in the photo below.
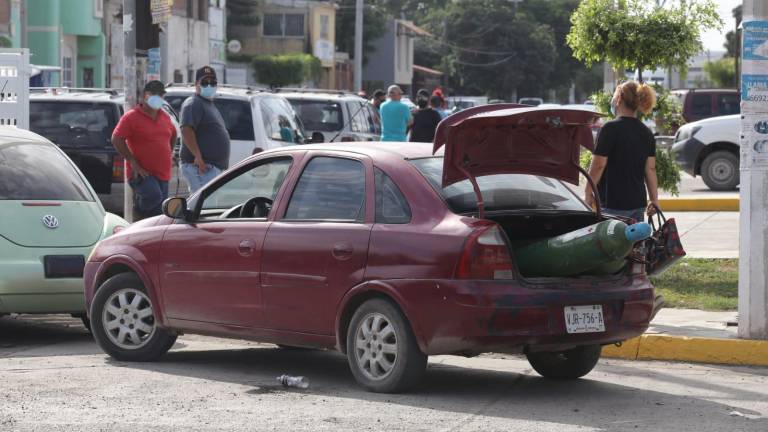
(451, 317)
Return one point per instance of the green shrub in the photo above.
(285, 69)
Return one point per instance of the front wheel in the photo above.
(720, 171)
(382, 350)
(565, 365)
(123, 321)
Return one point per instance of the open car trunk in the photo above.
(525, 228)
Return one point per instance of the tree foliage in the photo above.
(286, 69)
(732, 37)
(507, 51)
(374, 25)
(722, 72)
(636, 34)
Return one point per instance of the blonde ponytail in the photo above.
(638, 97)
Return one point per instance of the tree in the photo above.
(732, 38)
(507, 51)
(633, 34)
(286, 69)
(722, 72)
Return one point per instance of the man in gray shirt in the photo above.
(206, 141)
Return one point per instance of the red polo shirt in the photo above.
(149, 140)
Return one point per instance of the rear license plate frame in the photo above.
(584, 319)
(63, 266)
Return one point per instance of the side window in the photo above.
(728, 104)
(263, 180)
(373, 120)
(701, 105)
(330, 188)
(279, 120)
(354, 117)
(362, 118)
(391, 205)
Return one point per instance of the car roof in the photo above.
(222, 90)
(13, 134)
(320, 95)
(376, 150)
(78, 95)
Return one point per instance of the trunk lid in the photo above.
(53, 223)
(514, 139)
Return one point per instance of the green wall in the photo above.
(90, 54)
(77, 18)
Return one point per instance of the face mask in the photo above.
(208, 92)
(155, 102)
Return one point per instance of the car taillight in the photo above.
(347, 139)
(485, 256)
(118, 167)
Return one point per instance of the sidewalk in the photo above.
(693, 336)
(708, 234)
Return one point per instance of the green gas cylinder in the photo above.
(577, 252)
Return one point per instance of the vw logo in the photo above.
(50, 221)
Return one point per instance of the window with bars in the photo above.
(283, 25)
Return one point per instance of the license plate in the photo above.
(584, 319)
(63, 266)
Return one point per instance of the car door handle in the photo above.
(343, 251)
(245, 248)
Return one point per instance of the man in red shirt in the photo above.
(144, 137)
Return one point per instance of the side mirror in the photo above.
(317, 137)
(176, 208)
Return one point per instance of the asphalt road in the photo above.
(54, 378)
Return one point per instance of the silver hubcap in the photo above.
(128, 318)
(376, 346)
(721, 170)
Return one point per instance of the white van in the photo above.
(256, 119)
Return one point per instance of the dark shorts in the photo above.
(148, 195)
(636, 214)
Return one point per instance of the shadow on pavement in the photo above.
(42, 335)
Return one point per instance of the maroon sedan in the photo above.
(386, 252)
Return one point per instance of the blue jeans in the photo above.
(637, 214)
(194, 179)
(148, 195)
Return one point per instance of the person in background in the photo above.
(425, 120)
(145, 136)
(624, 161)
(379, 97)
(395, 116)
(443, 108)
(206, 141)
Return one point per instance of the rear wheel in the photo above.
(123, 321)
(382, 350)
(565, 365)
(720, 171)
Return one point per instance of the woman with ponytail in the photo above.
(624, 162)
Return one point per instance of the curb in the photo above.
(743, 352)
(699, 204)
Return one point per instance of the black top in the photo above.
(424, 124)
(627, 143)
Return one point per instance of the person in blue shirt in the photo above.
(395, 116)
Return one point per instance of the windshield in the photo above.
(73, 124)
(35, 171)
(319, 116)
(236, 114)
(501, 191)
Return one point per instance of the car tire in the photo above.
(565, 365)
(123, 321)
(720, 171)
(381, 349)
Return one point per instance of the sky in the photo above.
(714, 40)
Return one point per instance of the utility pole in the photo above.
(23, 19)
(753, 230)
(129, 80)
(359, 45)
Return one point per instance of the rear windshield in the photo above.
(501, 191)
(236, 113)
(74, 124)
(319, 116)
(31, 171)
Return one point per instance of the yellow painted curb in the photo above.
(699, 204)
(743, 352)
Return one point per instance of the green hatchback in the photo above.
(50, 220)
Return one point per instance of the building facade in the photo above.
(294, 26)
(392, 59)
(68, 34)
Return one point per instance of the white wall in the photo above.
(189, 43)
